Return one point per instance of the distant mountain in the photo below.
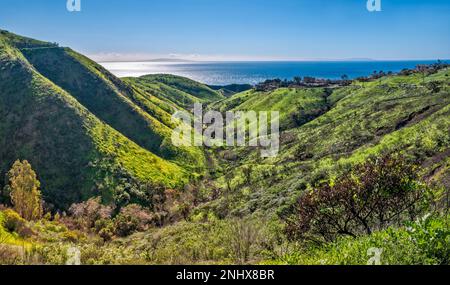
(168, 60)
(156, 60)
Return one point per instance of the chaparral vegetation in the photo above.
(87, 162)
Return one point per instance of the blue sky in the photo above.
(237, 29)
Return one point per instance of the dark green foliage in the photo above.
(125, 225)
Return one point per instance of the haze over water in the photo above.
(223, 73)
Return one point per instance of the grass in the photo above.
(425, 242)
(179, 92)
(287, 101)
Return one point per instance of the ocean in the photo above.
(224, 73)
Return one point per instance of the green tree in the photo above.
(23, 188)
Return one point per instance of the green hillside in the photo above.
(65, 115)
(327, 132)
(296, 106)
(126, 109)
(180, 91)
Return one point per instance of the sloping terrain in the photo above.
(326, 131)
(87, 134)
(80, 128)
(180, 91)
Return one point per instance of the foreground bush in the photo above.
(372, 196)
(14, 223)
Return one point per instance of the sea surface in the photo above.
(224, 73)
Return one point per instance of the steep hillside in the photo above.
(70, 132)
(141, 118)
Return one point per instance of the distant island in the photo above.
(165, 60)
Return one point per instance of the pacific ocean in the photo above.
(224, 73)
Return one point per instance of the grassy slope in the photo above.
(72, 150)
(287, 101)
(391, 114)
(178, 90)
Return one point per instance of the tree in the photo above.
(297, 80)
(423, 69)
(344, 77)
(372, 196)
(23, 187)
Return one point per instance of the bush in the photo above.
(125, 225)
(105, 229)
(424, 242)
(372, 196)
(87, 213)
(13, 222)
(71, 236)
(143, 216)
(432, 236)
(244, 236)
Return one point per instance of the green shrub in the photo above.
(13, 222)
(105, 229)
(71, 236)
(424, 242)
(432, 237)
(125, 225)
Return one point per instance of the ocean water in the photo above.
(223, 73)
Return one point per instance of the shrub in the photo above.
(432, 237)
(424, 242)
(372, 196)
(106, 233)
(143, 216)
(244, 236)
(70, 236)
(13, 222)
(125, 225)
(87, 213)
(105, 229)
